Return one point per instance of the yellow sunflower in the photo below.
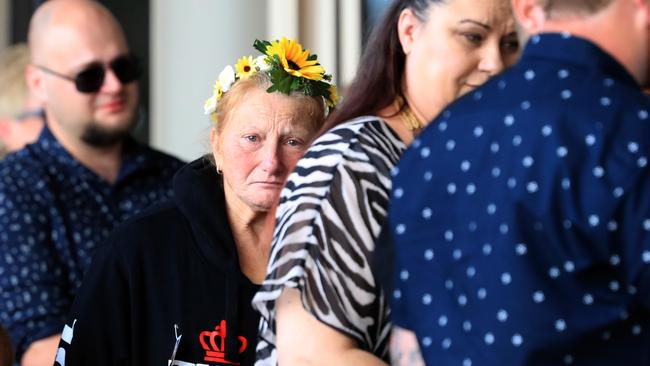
(245, 67)
(294, 59)
(218, 90)
(214, 118)
(210, 105)
(333, 99)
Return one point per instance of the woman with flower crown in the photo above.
(321, 303)
(173, 286)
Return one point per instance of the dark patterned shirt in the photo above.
(521, 217)
(53, 213)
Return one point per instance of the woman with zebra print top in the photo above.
(321, 302)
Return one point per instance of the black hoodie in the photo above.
(172, 270)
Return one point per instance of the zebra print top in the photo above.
(331, 212)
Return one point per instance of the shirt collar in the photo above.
(135, 157)
(578, 51)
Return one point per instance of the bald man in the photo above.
(61, 196)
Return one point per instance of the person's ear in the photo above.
(530, 15)
(216, 148)
(34, 79)
(643, 7)
(407, 26)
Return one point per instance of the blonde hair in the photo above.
(261, 80)
(14, 91)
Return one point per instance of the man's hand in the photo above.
(404, 348)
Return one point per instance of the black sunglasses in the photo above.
(90, 80)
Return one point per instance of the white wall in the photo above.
(282, 19)
(191, 42)
(350, 34)
(318, 31)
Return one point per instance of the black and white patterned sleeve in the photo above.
(331, 212)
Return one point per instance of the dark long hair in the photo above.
(379, 79)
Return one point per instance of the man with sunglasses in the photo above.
(61, 196)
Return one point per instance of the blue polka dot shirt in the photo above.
(521, 217)
(53, 213)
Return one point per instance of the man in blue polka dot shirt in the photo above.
(521, 215)
(61, 196)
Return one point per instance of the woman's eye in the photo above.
(294, 142)
(252, 138)
(511, 46)
(473, 38)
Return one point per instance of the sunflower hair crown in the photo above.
(290, 68)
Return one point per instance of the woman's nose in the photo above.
(492, 60)
(271, 157)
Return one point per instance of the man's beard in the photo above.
(98, 136)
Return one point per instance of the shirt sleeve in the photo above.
(97, 331)
(387, 258)
(34, 297)
(399, 314)
(635, 243)
(323, 242)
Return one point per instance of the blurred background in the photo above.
(184, 44)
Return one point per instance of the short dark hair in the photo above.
(573, 7)
(378, 82)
